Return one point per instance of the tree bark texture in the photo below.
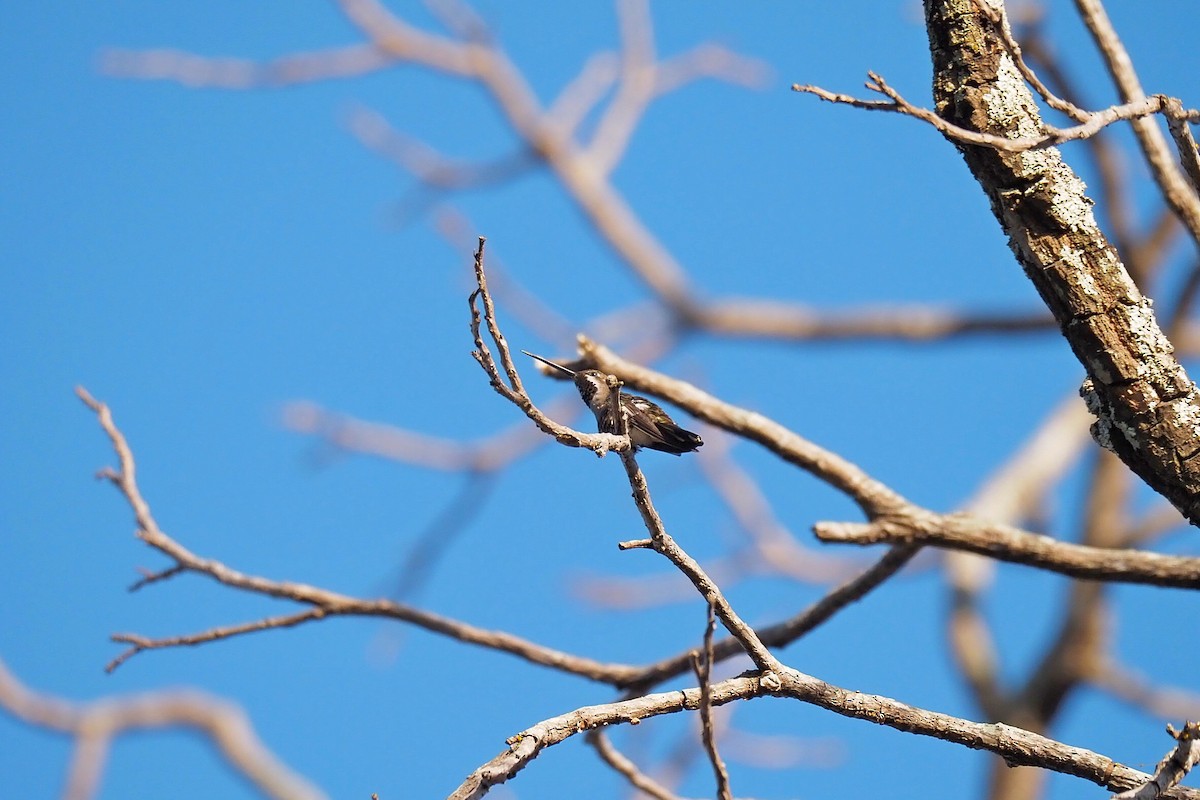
(1147, 410)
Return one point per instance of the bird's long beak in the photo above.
(548, 362)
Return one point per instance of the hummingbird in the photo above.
(649, 425)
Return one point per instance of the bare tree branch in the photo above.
(1140, 394)
(1173, 768)
(643, 78)
(784, 633)
(1013, 493)
(1143, 252)
(1185, 143)
(581, 168)
(702, 665)
(660, 541)
(1147, 408)
(325, 603)
(94, 726)
(776, 547)
(621, 763)
(1016, 746)
(871, 495)
(490, 454)
(772, 319)
(1174, 187)
(1137, 690)
(999, 17)
(1132, 110)
(962, 532)
(525, 746)
(240, 73)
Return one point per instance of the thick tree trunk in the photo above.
(1147, 410)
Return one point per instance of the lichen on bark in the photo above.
(1147, 410)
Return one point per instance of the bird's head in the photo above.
(593, 387)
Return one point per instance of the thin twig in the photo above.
(789, 630)
(1173, 768)
(1136, 109)
(661, 541)
(1175, 190)
(702, 665)
(665, 545)
(625, 767)
(512, 389)
(1112, 187)
(324, 603)
(1185, 143)
(999, 17)
(139, 643)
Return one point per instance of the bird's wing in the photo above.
(658, 431)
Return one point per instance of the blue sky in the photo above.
(200, 258)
